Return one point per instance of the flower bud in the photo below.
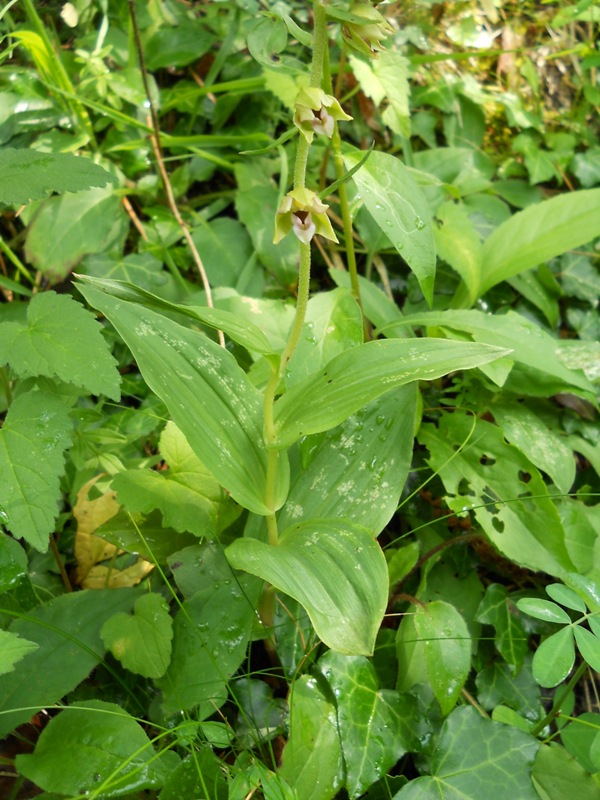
(366, 38)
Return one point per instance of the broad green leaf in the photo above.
(333, 324)
(141, 641)
(36, 431)
(208, 396)
(529, 343)
(374, 724)
(241, 331)
(68, 227)
(588, 587)
(505, 492)
(199, 774)
(537, 441)
(447, 644)
(386, 78)
(581, 737)
(45, 345)
(588, 645)
(256, 204)
(146, 537)
(543, 609)
(32, 175)
(226, 247)
(12, 649)
(94, 745)
(554, 658)
(67, 630)
(188, 496)
(136, 269)
(335, 569)
(211, 630)
(364, 373)
(294, 635)
(556, 775)
(458, 244)
(358, 469)
(13, 561)
(566, 597)
(510, 638)
(474, 757)
(178, 45)
(400, 209)
(312, 759)
(539, 233)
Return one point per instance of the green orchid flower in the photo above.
(302, 212)
(317, 112)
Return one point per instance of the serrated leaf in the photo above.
(374, 724)
(36, 431)
(588, 587)
(67, 630)
(358, 469)
(543, 609)
(539, 233)
(100, 747)
(447, 644)
(588, 645)
(209, 397)
(554, 658)
(60, 340)
(400, 208)
(141, 641)
(12, 649)
(68, 227)
(386, 77)
(312, 759)
(474, 757)
(510, 638)
(32, 175)
(364, 373)
(188, 496)
(335, 569)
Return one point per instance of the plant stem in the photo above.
(559, 700)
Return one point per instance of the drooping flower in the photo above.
(367, 37)
(316, 112)
(302, 212)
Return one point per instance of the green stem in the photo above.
(301, 305)
(338, 162)
(15, 260)
(559, 699)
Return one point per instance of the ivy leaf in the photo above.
(60, 340)
(374, 724)
(475, 757)
(142, 641)
(31, 175)
(556, 775)
(36, 431)
(312, 759)
(335, 569)
(510, 638)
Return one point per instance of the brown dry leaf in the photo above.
(90, 550)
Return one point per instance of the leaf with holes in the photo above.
(505, 492)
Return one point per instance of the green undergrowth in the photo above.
(299, 363)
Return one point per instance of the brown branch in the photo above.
(155, 139)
